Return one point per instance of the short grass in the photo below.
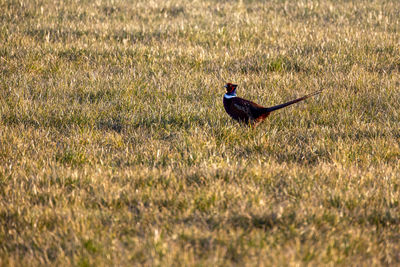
(115, 148)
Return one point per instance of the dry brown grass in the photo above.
(115, 148)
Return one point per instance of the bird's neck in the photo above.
(230, 95)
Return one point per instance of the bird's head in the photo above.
(230, 88)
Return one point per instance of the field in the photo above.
(115, 148)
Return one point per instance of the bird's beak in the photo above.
(225, 86)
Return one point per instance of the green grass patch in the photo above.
(115, 148)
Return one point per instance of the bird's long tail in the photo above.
(270, 109)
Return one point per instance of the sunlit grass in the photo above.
(115, 148)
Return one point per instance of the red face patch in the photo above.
(230, 87)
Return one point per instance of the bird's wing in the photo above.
(247, 107)
(244, 108)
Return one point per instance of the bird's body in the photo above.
(249, 112)
(244, 110)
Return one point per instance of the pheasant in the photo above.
(249, 112)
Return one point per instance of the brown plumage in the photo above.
(249, 112)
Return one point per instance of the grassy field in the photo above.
(115, 148)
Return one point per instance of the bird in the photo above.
(248, 112)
